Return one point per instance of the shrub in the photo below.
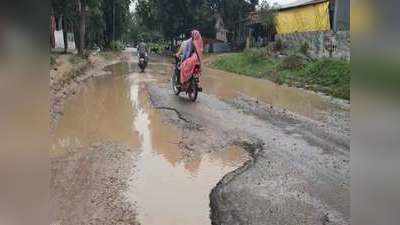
(116, 46)
(278, 45)
(254, 54)
(158, 47)
(333, 74)
(304, 48)
(292, 62)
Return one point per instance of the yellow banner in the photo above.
(302, 19)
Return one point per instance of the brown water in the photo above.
(168, 187)
(228, 85)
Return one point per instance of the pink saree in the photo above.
(189, 65)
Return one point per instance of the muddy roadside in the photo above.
(69, 72)
(88, 179)
(87, 185)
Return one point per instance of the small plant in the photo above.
(158, 47)
(255, 54)
(116, 46)
(278, 45)
(292, 62)
(304, 48)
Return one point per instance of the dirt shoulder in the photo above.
(69, 72)
(87, 182)
(87, 186)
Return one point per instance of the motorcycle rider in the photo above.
(184, 52)
(193, 55)
(143, 51)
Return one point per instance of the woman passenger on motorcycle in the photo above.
(192, 56)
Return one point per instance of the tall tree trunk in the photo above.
(75, 30)
(65, 36)
(81, 5)
(82, 32)
(52, 41)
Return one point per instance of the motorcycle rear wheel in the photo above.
(174, 82)
(194, 91)
(142, 67)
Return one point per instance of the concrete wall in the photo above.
(59, 40)
(217, 48)
(321, 43)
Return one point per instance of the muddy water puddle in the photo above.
(100, 112)
(169, 186)
(227, 85)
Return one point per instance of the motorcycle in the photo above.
(142, 63)
(191, 87)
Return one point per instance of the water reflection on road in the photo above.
(169, 187)
(227, 85)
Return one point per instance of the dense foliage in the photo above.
(170, 19)
(102, 23)
(95, 23)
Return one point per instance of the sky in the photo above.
(281, 2)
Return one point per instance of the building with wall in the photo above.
(313, 15)
(250, 32)
(323, 24)
(221, 32)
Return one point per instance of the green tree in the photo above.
(94, 22)
(232, 11)
(173, 18)
(267, 16)
(117, 18)
(96, 27)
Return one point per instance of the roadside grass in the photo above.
(246, 64)
(329, 76)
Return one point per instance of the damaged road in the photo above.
(299, 172)
(233, 157)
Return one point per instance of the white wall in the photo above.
(59, 40)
